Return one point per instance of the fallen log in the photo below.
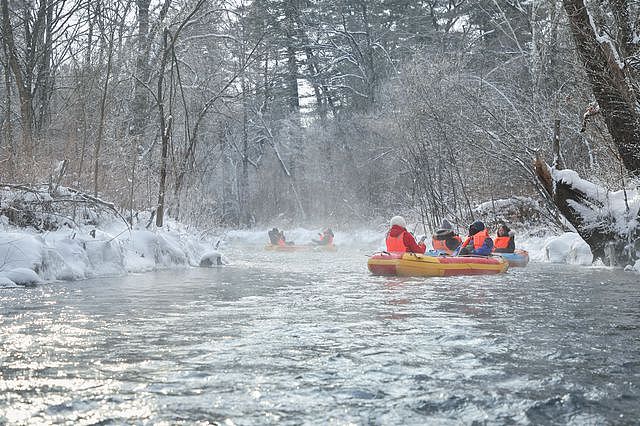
(607, 221)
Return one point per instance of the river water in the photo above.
(280, 338)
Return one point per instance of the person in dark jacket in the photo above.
(274, 236)
(478, 242)
(505, 240)
(399, 240)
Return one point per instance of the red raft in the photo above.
(420, 265)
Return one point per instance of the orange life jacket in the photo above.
(441, 245)
(396, 244)
(479, 237)
(281, 242)
(501, 242)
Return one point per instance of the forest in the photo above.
(237, 113)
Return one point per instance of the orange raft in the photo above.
(299, 247)
(420, 265)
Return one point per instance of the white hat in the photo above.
(398, 220)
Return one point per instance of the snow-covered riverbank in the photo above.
(27, 256)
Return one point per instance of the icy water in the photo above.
(279, 338)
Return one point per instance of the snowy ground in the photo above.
(27, 257)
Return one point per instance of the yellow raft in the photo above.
(420, 265)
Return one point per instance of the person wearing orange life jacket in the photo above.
(399, 240)
(505, 240)
(445, 240)
(283, 240)
(478, 242)
(326, 238)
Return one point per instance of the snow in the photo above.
(517, 211)
(28, 257)
(603, 38)
(211, 258)
(621, 206)
(7, 283)
(567, 247)
(22, 276)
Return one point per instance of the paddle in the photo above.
(463, 245)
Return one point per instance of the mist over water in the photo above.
(314, 338)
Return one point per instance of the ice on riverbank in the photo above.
(69, 254)
(565, 248)
(73, 254)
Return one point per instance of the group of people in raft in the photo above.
(277, 238)
(446, 240)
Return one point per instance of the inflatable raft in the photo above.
(421, 265)
(299, 247)
(518, 258)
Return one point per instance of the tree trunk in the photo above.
(165, 129)
(7, 128)
(101, 123)
(293, 97)
(139, 105)
(24, 93)
(610, 86)
(45, 80)
(243, 184)
(604, 242)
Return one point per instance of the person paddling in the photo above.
(478, 242)
(399, 240)
(445, 239)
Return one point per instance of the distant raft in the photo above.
(420, 265)
(518, 258)
(300, 247)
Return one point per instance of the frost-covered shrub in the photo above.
(518, 212)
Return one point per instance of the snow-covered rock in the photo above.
(63, 245)
(211, 258)
(20, 250)
(22, 276)
(85, 252)
(6, 282)
(568, 248)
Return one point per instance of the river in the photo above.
(280, 338)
